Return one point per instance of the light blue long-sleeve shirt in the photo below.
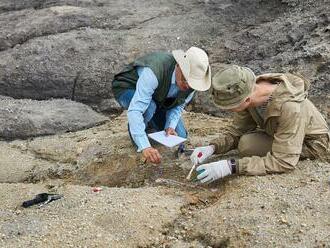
(145, 87)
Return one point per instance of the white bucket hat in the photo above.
(194, 64)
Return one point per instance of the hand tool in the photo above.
(43, 198)
(194, 166)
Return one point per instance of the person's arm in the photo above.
(228, 140)
(286, 147)
(174, 114)
(145, 87)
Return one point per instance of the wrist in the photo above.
(145, 149)
(142, 142)
(172, 125)
(214, 146)
(232, 165)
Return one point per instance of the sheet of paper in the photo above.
(168, 141)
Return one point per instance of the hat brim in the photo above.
(226, 107)
(201, 85)
(196, 84)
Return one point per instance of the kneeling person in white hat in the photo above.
(155, 88)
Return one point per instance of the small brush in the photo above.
(194, 166)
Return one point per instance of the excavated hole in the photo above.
(130, 171)
(126, 171)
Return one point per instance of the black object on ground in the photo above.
(43, 198)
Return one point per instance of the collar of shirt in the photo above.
(173, 92)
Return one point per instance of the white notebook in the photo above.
(168, 141)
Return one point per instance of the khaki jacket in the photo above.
(290, 118)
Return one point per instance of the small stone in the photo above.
(284, 221)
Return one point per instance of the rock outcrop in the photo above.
(71, 49)
(25, 118)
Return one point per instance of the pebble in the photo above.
(284, 221)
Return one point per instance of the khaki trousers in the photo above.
(259, 143)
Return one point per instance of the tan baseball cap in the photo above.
(194, 64)
(232, 85)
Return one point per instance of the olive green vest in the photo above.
(162, 64)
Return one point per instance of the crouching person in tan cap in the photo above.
(274, 125)
(155, 89)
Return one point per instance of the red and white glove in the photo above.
(200, 154)
(208, 173)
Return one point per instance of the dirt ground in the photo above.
(145, 205)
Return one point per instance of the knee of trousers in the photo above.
(254, 145)
(244, 146)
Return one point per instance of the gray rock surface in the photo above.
(273, 36)
(20, 119)
(71, 49)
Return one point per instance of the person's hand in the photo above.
(151, 155)
(208, 173)
(170, 131)
(200, 154)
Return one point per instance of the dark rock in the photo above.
(20, 119)
(71, 49)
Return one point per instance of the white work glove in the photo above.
(200, 154)
(208, 173)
